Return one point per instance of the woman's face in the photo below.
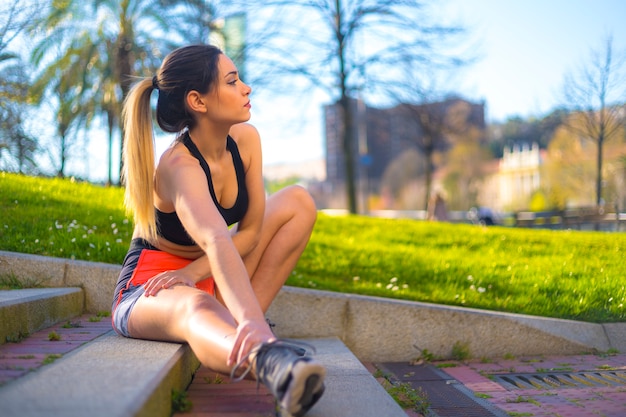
(229, 100)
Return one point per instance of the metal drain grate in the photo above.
(446, 397)
(560, 380)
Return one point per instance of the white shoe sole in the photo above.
(305, 388)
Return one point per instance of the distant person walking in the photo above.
(437, 210)
(187, 276)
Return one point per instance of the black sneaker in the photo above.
(296, 381)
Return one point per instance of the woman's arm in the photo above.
(183, 182)
(248, 230)
(245, 235)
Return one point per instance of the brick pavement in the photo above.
(35, 350)
(213, 395)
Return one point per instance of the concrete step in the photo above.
(351, 390)
(25, 311)
(114, 376)
(111, 376)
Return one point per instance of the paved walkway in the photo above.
(591, 385)
(566, 386)
(20, 357)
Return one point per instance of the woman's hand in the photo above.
(250, 333)
(166, 280)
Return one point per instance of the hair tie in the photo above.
(155, 83)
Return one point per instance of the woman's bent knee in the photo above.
(297, 199)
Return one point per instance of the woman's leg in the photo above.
(289, 219)
(186, 314)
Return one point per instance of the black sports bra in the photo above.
(169, 225)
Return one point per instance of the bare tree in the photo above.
(367, 49)
(436, 127)
(598, 92)
(568, 171)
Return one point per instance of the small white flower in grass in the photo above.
(395, 288)
(389, 286)
(73, 240)
(113, 226)
(106, 243)
(118, 240)
(405, 286)
(115, 231)
(125, 221)
(356, 279)
(470, 278)
(36, 240)
(473, 287)
(393, 280)
(84, 236)
(92, 246)
(481, 290)
(58, 225)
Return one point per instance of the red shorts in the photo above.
(142, 262)
(154, 262)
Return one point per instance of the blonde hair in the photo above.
(138, 159)
(193, 67)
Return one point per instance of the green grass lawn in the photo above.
(565, 274)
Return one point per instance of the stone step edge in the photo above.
(351, 389)
(26, 311)
(109, 376)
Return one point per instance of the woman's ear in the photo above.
(195, 102)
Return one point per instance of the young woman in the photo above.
(209, 252)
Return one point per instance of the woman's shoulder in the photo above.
(243, 133)
(174, 158)
(248, 142)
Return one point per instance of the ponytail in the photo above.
(138, 159)
(193, 67)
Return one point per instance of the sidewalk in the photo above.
(591, 385)
(20, 357)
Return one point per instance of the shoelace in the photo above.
(296, 346)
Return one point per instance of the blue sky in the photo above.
(525, 47)
(528, 46)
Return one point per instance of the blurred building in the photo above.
(519, 175)
(382, 135)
